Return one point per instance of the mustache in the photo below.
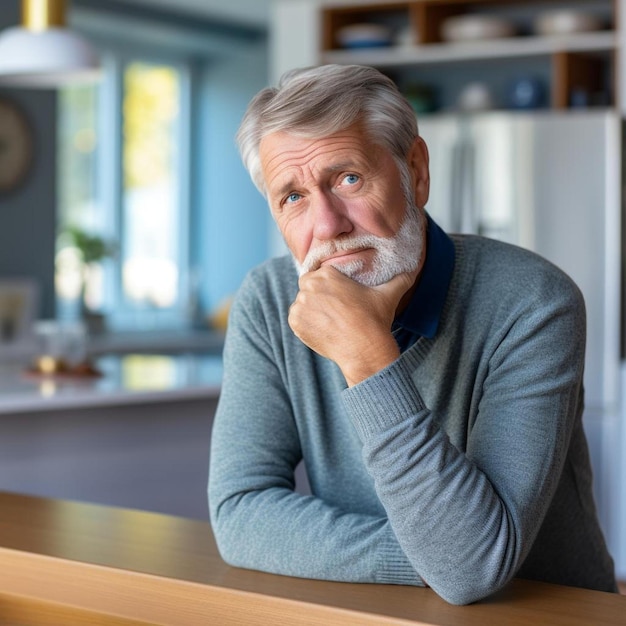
(320, 253)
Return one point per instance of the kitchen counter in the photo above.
(138, 436)
(126, 379)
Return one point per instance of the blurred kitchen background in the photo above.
(127, 221)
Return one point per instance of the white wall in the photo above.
(294, 35)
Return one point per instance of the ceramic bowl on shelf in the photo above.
(460, 28)
(565, 22)
(475, 96)
(406, 37)
(527, 93)
(364, 36)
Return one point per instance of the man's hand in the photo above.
(347, 322)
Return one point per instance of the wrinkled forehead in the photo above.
(286, 154)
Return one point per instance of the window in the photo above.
(151, 190)
(122, 177)
(77, 188)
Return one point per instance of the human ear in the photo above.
(418, 164)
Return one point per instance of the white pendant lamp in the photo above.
(43, 52)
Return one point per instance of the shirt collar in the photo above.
(421, 316)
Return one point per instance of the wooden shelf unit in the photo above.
(580, 63)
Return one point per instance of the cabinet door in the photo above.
(576, 191)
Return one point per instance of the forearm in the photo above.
(257, 438)
(466, 518)
(445, 514)
(282, 532)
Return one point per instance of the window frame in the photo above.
(109, 187)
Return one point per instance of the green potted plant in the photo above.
(92, 249)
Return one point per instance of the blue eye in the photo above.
(292, 197)
(351, 179)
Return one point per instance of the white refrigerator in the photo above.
(551, 182)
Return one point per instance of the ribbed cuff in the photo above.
(395, 568)
(383, 400)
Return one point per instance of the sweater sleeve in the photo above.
(466, 519)
(259, 521)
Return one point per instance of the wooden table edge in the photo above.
(151, 599)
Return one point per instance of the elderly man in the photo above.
(431, 383)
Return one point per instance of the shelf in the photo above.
(519, 47)
(576, 70)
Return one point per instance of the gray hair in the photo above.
(319, 101)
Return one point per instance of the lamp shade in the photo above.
(45, 54)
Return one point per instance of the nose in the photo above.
(330, 216)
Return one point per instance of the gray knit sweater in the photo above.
(462, 464)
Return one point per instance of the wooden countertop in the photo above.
(74, 563)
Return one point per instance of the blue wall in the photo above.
(233, 233)
(27, 214)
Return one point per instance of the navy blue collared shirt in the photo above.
(421, 316)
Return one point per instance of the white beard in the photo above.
(394, 255)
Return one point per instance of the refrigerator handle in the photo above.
(463, 210)
(469, 222)
(456, 186)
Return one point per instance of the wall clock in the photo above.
(16, 145)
